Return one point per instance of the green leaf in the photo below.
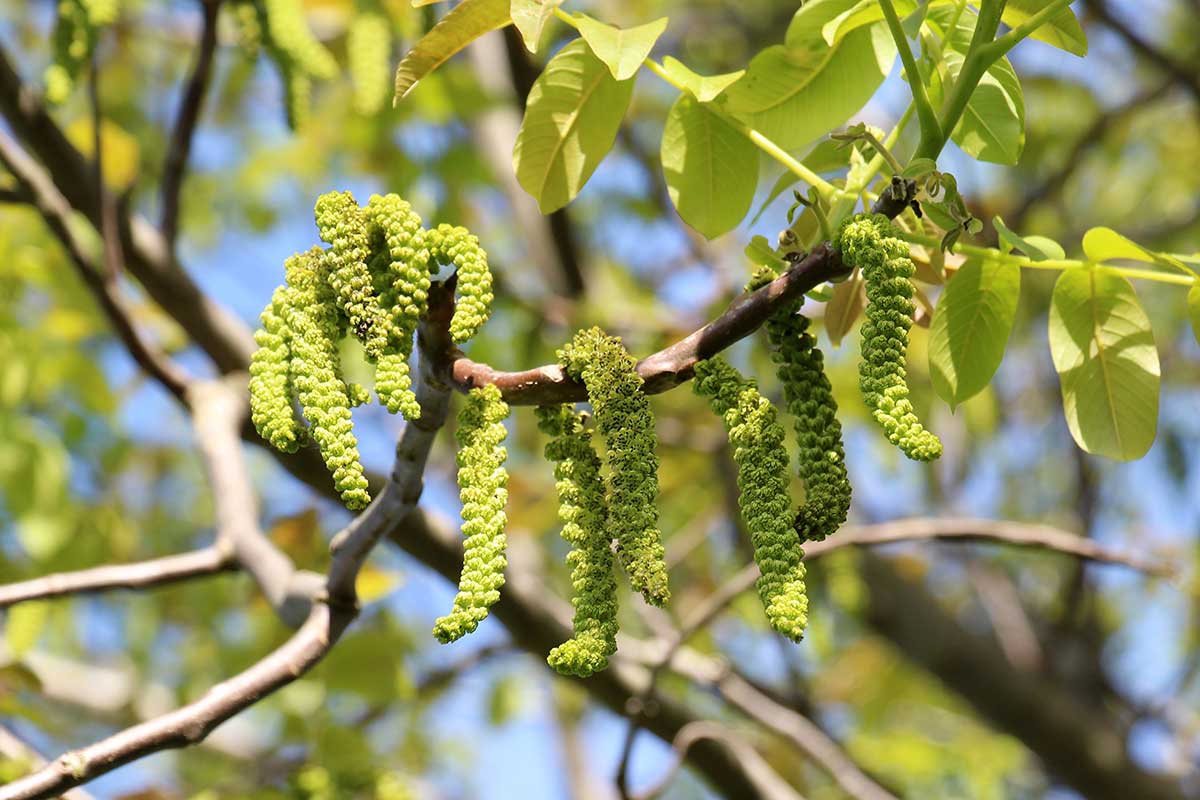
(710, 167)
(571, 120)
(860, 14)
(1193, 304)
(1062, 30)
(1103, 349)
(530, 18)
(23, 626)
(992, 127)
(1105, 244)
(465, 23)
(705, 87)
(971, 326)
(760, 252)
(622, 50)
(919, 168)
(844, 308)
(1038, 248)
(796, 92)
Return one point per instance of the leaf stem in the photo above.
(1052, 264)
(929, 122)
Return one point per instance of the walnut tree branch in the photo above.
(185, 123)
(140, 575)
(667, 368)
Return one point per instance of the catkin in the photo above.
(73, 39)
(624, 419)
(343, 225)
(581, 508)
(482, 488)
(312, 317)
(869, 242)
(369, 49)
(762, 462)
(456, 246)
(289, 33)
(270, 378)
(400, 273)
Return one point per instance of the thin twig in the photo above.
(191, 723)
(140, 575)
(185, 123)
(770, 785)
(218, 408)
(667, 368)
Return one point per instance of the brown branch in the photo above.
(1093, 137)
(667, 368)
(191, 723)
(1083, 744)
(218, 408)
(185, 123)
(140, 575)
(1184, 74)
(12, 747)
(56, 211)
(1019, 534)
(765, 779)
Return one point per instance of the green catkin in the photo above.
(247, 27)
(271, 389)
(869, 242)
(456, 246)
(297, 95)
(482, 488)
(312, 317)
(800, 366)
(762, 461)
(73, 39)
(581, 508)
(624, 419)
(289, 33)
(343, 225)
(369, 48)
(400, 272)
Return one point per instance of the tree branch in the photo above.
(218, 408)
(1183, 74)
(185, 123)
(667, 368)
(143, 574)
(191, 723)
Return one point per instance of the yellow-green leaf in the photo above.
(795, 92)
(465, 23)
(1105, 244)
(622, 50)
(1062, 30)
(23, 625)
(530, 17)
(1103, 349)
(571, 120)
(971, 326)
(706, 87)
(710, 167)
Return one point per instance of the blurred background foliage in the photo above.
(97, 463)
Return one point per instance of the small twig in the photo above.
(1020, 534)
(218, 408)
(665, 369)
(13, 747)
(191, 723)
(140, 575)
(768, 782)
(185, 123)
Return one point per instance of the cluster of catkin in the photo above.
(75, 31)
(279, 27)
(371, 282)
